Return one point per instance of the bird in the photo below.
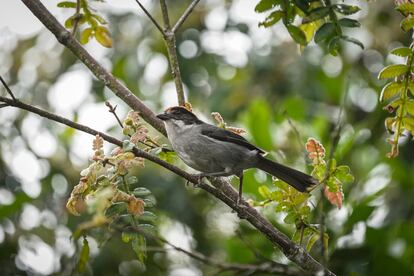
(217, 152)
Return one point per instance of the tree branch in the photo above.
(222, 189)
(150, 17)
(7, 88)
(65, 37)
(170, 41)
(183, 17)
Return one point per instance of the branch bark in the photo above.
(221, 189)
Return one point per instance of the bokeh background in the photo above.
(257, 79)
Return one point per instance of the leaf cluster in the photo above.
(94, 24)
(398, 93)
(104, 192)
(319, 21)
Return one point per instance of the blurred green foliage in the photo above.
(279, 96)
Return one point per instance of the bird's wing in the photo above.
(228, 136)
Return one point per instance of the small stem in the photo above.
(112, 110)
(183, 17)
(165, 16)
(150, 17)
(7, 88)
(77, 17)
(169, 38)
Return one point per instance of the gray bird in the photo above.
(217, 152)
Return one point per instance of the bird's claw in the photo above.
(199, 180)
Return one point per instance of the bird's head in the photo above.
(179, 114)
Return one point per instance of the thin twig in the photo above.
(185, 15)
(165, 16)
(7, 88)
(169, 38)
(335, 136)
(112, 109)
(77, 17)
(150, 17)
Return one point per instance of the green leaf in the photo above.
(148, 216)
(408, 123)
(390, 90)
(333, 46)
(309, 30)
(141, 191)
(127, 236)
(132, 180)
(389, 123)
(312, 239)
(265, 192)
(303, 5)
(401, 51)
(265, 5)
(353, 40)
(66, 4)
(409, 106)
(86, 35)
(297, 34)
(116, 208)
(148, 228)
(150, 202)
(103, 36)
(325, 31)
(346, 9)
(407, 24)
(69, 22)
(139, 246)
(305, 210)
(343, 173)
(84, 256)
(392, 71)
(290, 218)
(405, 8)
(99, 18)
(318, 13)
(350, 23)
(272, 19)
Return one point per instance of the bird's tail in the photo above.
(299, 180)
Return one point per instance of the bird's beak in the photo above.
(163, 116)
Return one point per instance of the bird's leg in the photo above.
(239, 199)
(200, 176)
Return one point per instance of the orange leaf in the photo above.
(334, 197)
(315, 149)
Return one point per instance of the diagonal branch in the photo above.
(7, 88)
(185, 15)
(150, 17)
(65, 37)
